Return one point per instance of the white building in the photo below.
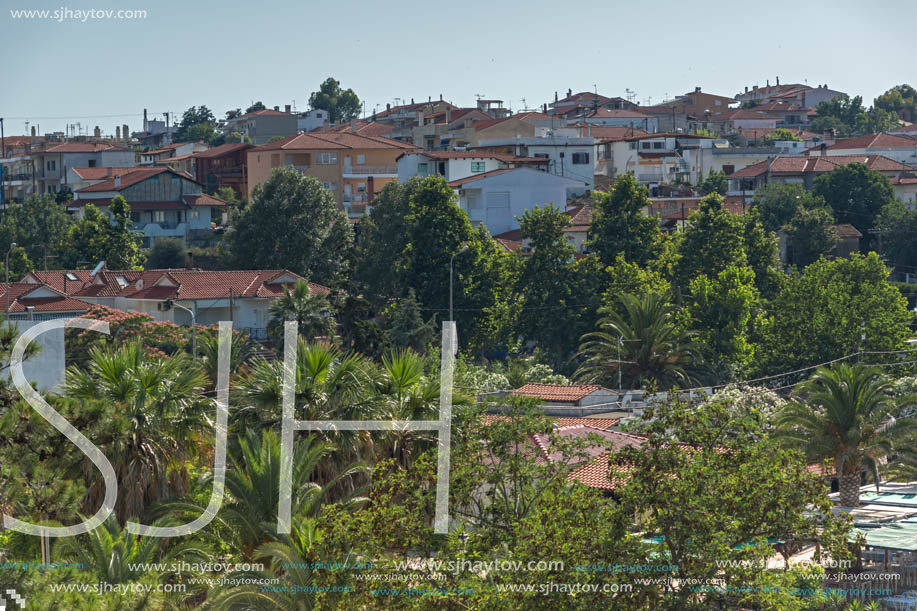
(566, 156)
(51, 166)
(312, 120)
(452, 165)
(498, 197)
(656, 159)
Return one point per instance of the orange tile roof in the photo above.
(127, 179)
(557, 392)
(562, 421)
(102, 173)
(223, 149)
(82, 147)
(20, 300)
(877, 141)
(267, 112)
(363, 128)
(580, 218)
(605, 113)
(333, 141)
(522, 116)
(818, 164)
(456, 184)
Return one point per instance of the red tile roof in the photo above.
(580, 218)
(82, 147)
(127, 179)
(741, 114)
(823, 163)
(875, 141)
(102, 173)
(556, 392)
(510, 245)
(525, 117)
(363, 128)
(223, 149)
(757, 133)
(562, 421)
(333, 141)
(904, 180)
(907, 129)
(605, 113)
(513, 235)
(186, 284)
(20, 300)
(267, 112)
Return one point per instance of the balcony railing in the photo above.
(302, 169)
(371, 169)
(355, 197)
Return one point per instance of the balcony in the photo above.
(349, 198)
(370, 170)
(302, 169)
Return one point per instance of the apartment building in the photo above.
(352, 166)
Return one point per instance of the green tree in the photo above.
(830, 304)
(259, 105)
(167, 253)
(762, 253)
(810, 235)
(715, 182)
(619, 225)
(311, 312)
(901, 100)
(849, 416)
(725, 311)
(545, 281)
(777, 203)
(898, 224)
(644, 346)
(781, 133)
(197, 124)
(699, 457)
(856, 194)
(159, 405)
(405, 325)
(712, 241)
(848, 117)
(289, 203)
(98, 237)
(341, 104)
(39, 226)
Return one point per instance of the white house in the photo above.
(243, 297)
(452, 165)
(567, 156)
(313, 119)
(663, 158)
(164, 203)
(179, 149)
(51, 166)
(496, 198)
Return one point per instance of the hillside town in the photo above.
(664, 352)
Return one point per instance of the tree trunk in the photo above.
(850, 489)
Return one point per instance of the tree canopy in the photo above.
(341, 104)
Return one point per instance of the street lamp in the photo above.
(12, 246)
(171, 304)
(451, 261)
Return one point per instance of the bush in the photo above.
(167, 253)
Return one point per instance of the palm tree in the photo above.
(208, 351)
(851, 418)
(290, 561)
(249, 517)
(406, 394)
(311, 313)
(330, 385)
(158, 415)
(645, 344)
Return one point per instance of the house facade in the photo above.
(164, 203)
(262, 125)
(223, 166)
(353, 167)
(496, 198)
(51, 165)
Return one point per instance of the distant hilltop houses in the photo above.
(499, 161)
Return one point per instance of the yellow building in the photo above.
(352, 166)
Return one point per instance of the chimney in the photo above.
(388, 106)
(569, 92)
(412, 100)
(697, 90)
(117, 132)
(768, 82)
(97, 132)
(190, 260)
(277, 108)
(371, 187)
(124, 133)
(353, 126)
(440, 97)
(118, 181)
(824, 148)
(287, 109)
(778, 81)
(746, 88)
(544, 108)
(448, 115)
(145, 122)
(33, 131)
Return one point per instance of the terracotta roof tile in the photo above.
(223, 149)
(102, 173)
(556, 392)
(333, 141)
(818, 164)
(878, 141)
(127, 179)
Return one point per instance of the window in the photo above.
(92, 163)
(477, 167)
(195, 214)
(361, 159)
(580, 158)
(361, 187)
(717, 103)
(71, 277)
(658, 145)
(632, 146)
(318, 115)
(51, 165)
(159, 216)
(330, 185)
(327, 158)
(422, 168)
(645, 145)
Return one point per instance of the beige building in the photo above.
(352, 166)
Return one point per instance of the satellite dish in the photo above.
(97, 269)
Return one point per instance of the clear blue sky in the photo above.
(227, 54)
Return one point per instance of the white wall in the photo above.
(47, 367)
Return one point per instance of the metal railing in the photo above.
(371, 169)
